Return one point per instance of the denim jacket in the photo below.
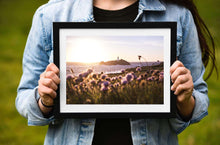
(39, 53)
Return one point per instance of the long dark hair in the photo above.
(205, 38)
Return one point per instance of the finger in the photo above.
(53, 67)
(43, 90)
(181, 97)
(48, 83)
(175, 65)
(47, 100)
(184, 95)
(179, 71)
(53, 76)
(43, 74)
(188, 87)
(181, 79)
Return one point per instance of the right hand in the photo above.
(47, 85)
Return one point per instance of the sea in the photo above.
(76, 68)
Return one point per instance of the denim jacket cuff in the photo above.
(35, 116)
(201, 107)
(199, 112)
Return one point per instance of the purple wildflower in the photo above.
(76, 86)
(120, 77)
(99, 84)
(78, 80)
(134, 76)
(152, 78)
(161, 78)
(80, 75)
(129, 77)
(94, 76)
(139, 79)
(104, 89)
(145, 75)
(103, 76)
(156, 72)
(149, 79)
(69, 77)
(124, 81)
(93, 82)
(122, 71)
(108, 79)
(106, 83)
(138, 69)
(85, 74)
(89, 71)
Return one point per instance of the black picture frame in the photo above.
(166, 30)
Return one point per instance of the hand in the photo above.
(183, 88)
(47, 86)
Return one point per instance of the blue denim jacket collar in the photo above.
(87, 11)
(151, 5)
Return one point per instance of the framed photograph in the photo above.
(114, 70)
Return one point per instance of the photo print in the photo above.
(114, 69)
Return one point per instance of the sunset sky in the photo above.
(96, 49)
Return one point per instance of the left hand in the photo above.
(183, 88)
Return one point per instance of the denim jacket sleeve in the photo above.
(190, 55)
(35, 60)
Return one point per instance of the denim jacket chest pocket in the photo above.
(49, 51)
(48, 37)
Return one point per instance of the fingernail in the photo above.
(175, 93)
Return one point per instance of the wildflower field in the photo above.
(140, 85)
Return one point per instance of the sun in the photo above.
(86, 50)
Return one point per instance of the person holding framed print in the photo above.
(40, 79)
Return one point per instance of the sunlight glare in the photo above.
(87, 50)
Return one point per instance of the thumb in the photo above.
(53, 67)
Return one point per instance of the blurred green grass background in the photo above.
(15, 22)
